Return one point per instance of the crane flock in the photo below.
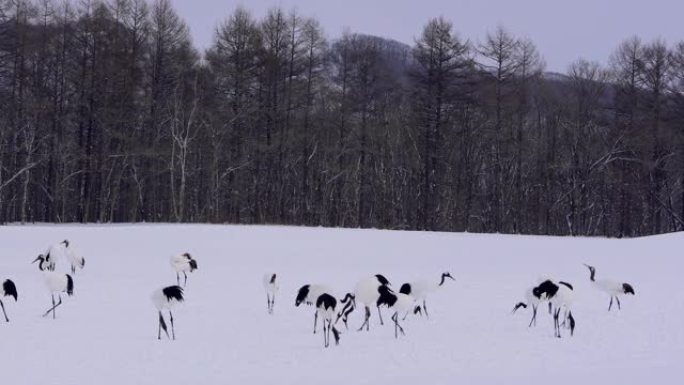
(372, 291)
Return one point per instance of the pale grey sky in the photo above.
(563, 30)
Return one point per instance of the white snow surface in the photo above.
(107, 332)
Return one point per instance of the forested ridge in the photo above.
(108, 113)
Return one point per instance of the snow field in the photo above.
(106, 332)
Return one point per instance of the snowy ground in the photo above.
(106, 333)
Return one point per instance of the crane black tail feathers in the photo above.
(518, 306)
(70, 285)
(193, 265)
(627, 288)
(10, 289)
(173, 292)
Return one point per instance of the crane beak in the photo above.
(36, 260)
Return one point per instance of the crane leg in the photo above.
(268, 303)
(618, 302)
(368, 315)
(397, 327)
(272, 302)
(329, 329)
(556, 327)
(425, 308)
(316, 320)
(173, 332)
(366, 318)
(380, 315)
(52, 309)
(3, 311)
(534, 316)
(185, 283)
(571, 321)
(611, 303)
(177, 279)
(162, 325)
(394, 318)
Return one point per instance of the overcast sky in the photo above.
(563, 30)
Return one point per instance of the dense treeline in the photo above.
(108, 113)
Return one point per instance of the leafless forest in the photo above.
(109, 114)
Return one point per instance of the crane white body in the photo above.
(613, 288)
(73, 256)
(56, 282)
(405, 303)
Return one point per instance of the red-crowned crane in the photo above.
(613, 288)
(165, 299)
(562, 296)
(271, 287)
(308, 295)
(183, 263)
(326, 306)
(57, 283)
(74, 257)
(421, 289)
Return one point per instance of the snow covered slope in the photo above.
(106, 333)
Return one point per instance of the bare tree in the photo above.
(655, 77)
(441, 58)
